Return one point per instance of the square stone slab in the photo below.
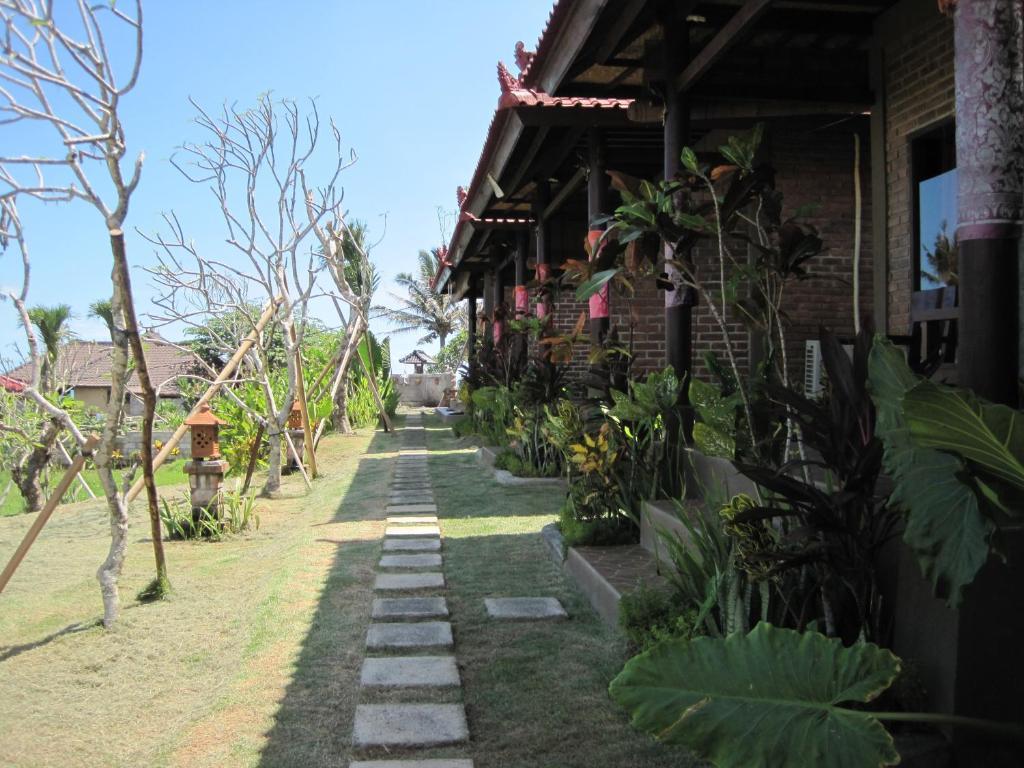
(411, 764)
(410, 671)
(406, 489)
(413, 519)
(400, 581)
(393, 508)
(410, 561)
(409, 607)
(409, 725)
(422, 634)
(412, 530)
(412, 545)
(410, 498)
(528, 608)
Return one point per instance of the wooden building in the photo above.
(933, 91)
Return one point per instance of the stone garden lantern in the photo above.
(206, 469)
(297, 434)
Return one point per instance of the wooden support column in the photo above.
(541, 199)
(488, 340)
(522, 295)
(989, 73)
(498, 322)
(471, 335)
(597, 205)
(679, 302)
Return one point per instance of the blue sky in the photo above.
(411, 85)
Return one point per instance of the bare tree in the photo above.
(254, 162)
(57, 73)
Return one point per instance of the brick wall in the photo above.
(814, 165)
(919, 92)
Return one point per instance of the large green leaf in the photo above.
(595, 284)
(989, 437)
(715, 433)
(767, 699)
(945, 527)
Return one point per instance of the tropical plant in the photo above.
(234, 512)
(943, 260)
(422, 309)
(958, 465)
(54, 330)
(452, 354)
(363, 410)
(772, 698)
(831, 517)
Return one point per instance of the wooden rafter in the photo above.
(727, 37)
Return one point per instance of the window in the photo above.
(933, 160)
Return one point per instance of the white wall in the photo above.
(422, 388)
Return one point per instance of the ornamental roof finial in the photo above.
(507, 82)
(523, 58)
(461, 194)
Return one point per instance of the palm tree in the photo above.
(102, 310)
(423, 308)
(52, 324)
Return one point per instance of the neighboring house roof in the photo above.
(11, 385)
(87, 364)
(416, 357)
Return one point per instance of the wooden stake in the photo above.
(298, 459)
(300, 393)
(224, 375)
(254, 455)
(372, 379)
(51, 504)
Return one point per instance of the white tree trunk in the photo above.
(273, 481)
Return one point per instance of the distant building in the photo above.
(417, 359)
(83, 371)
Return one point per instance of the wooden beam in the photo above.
(627, 15)
(515, 177)
(482, 224)
(727, 37)
(565, 193)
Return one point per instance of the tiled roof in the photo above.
(514, 95)
(417, 357)
(11, 385)
(87, 364)
(559, 13)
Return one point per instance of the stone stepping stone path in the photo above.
(410, 561)
(524, 608)
(409, 607)
(410, 672)
(412, 545)
(391, 582)
(414, 626)
(408, 531)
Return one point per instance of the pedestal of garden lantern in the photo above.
(298, 437)
(204, 482)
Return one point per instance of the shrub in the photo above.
(512, 462)
(233, 514)
(599, 532)
(463, 427)
(649, 615)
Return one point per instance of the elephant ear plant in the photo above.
(772, 698)
(958, 464)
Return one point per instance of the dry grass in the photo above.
(197, 679)
(254, 659)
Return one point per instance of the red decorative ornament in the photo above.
(523, 58)
(461, 194)
(506, 79)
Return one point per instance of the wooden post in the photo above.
(300, 393)
(44, 514)
(678, 303)
(540, 202)
(254, 454)
(597, 204)
(488, 340)
(222, 377)
(471, 335)
(371, 377)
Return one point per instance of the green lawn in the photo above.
(254, 660)
(166, 476)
